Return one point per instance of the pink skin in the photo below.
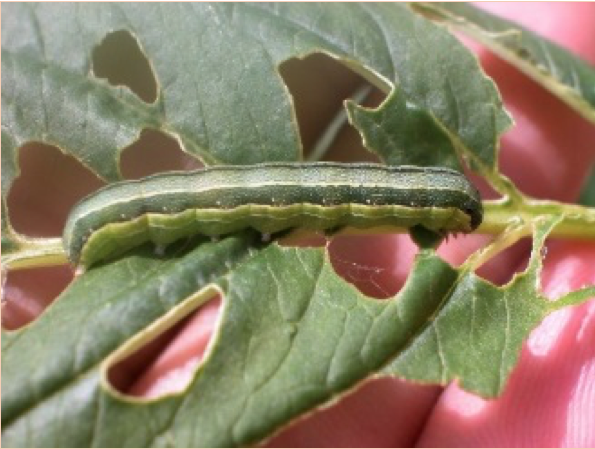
(550, 398)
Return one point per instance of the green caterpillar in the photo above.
(268, 197)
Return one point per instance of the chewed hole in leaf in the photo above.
(154, 152)
(167, 363)
(27, 293)
(501, 268)
(49, 184)
(120, 60)
(376, 265)
(319, 86)
(485, 189)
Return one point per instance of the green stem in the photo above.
(573, 298)
(578, 222)
(35, 253)
(508, 219)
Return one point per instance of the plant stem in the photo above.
(500, 216)
(578, 222)
(35, 253)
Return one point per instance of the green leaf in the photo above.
(219, 90)
(62, 351)
(476, 337)
(567, 76)
(293, 335)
